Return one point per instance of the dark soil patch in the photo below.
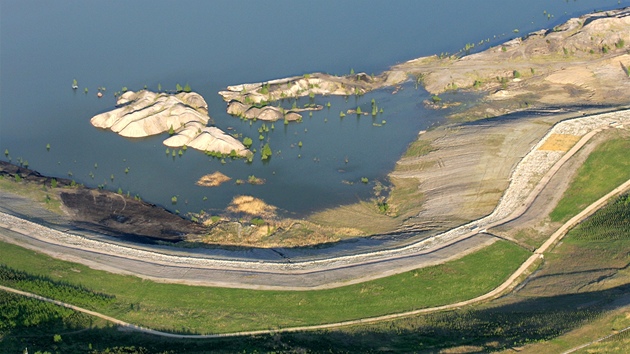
(109, 212)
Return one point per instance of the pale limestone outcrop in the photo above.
(145, 113)
(207, 139)
(251, 100)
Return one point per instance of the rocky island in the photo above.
(584, 61)
(184, 115)
(251, 101)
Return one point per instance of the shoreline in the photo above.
(526, 183)
(414, 218)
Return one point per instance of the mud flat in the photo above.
(100, 211)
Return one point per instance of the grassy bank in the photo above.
(40, 194)
(213, 310)
(607, 167)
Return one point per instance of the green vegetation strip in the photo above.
(195, 309)
(609, 224)
(607, 167)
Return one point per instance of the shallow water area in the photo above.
(211, 45)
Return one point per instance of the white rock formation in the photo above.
(145, 113)
(207, 139)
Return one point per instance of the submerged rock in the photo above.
(213, 180)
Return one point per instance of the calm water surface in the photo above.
(212, 44)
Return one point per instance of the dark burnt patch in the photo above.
(115, 213)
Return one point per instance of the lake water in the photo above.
(212, 44)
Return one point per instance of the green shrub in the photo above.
(620, 43)
(257, 221)
(266, 152)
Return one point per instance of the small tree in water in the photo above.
(266, 152)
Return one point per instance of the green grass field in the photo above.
(607, 167)
(198, 309)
